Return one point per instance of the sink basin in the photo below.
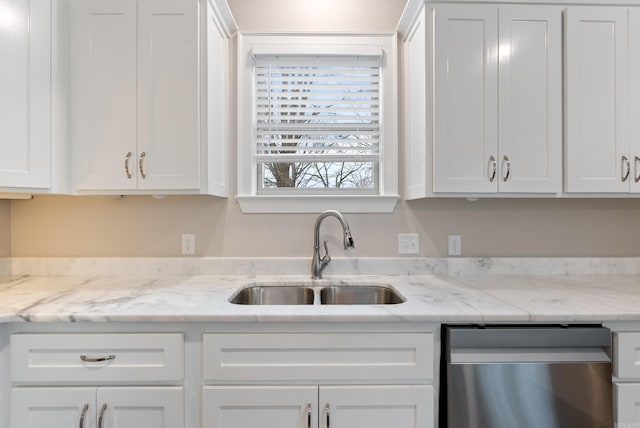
(273, 295)
(297, 294)
(360, 295)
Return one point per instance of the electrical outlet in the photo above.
(455, 245)
(408, 243)
(188, 243)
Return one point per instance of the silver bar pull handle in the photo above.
(83, 415)
(102, 412)
(636, 174)
(625, 163)
(507, 162)
(97, 359)
(493, 165)
(141, 165)
(328, 410)
(126, 165)
(309, 415)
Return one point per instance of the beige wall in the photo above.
(143, 226)
(5, 229)
(317, 15)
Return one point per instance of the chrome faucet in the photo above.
(319, 263)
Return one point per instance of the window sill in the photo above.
(317, 203)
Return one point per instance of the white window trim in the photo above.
(250, 202)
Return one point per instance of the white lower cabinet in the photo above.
(101, 380)
(626, 371)
(318, 380)
(102, 407)
(373, 406)
(204, 376)
(260, 406)
(627, 399)
(399, 406)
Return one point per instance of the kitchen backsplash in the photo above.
(301, 266)
(5, 266)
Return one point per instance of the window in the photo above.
(312, 124)
(317, 123)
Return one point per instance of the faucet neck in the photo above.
(319, 263)
(320, 219)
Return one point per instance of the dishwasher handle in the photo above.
(527, 336)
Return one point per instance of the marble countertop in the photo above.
(430, 298)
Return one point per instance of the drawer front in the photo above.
(626, 402)
(90, 358)
(626, 355)
(319, 358)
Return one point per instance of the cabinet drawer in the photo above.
(319, 357)
(76, 357)
(626, 348)
(626, 398)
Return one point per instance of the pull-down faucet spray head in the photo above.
(348, 239)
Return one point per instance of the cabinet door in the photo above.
(377, 406)
(157, 407)
(264, 407)
(53, 407)
(597, 149)
(634, 96)
(104, 94)
(168, 84)
(466, 98)
(627, 402)
(530, 99)
(25, 93)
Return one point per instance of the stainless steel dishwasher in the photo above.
(526, 377)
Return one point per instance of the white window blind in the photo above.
(317, 122)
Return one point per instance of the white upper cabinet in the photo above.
(634, 100)
(104, 90)
(466, 98)
(530, 99)
(598, 158)
(168, 85)
(498, 99)
(25, 94)
(135, 75)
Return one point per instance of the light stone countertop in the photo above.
(571, 298)
(430, 298)
(437, 290)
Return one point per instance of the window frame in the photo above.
(386, 197)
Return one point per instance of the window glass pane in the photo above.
(319, 175)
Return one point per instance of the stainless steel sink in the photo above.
(273, 295)
(333, 294)
(360, 295)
